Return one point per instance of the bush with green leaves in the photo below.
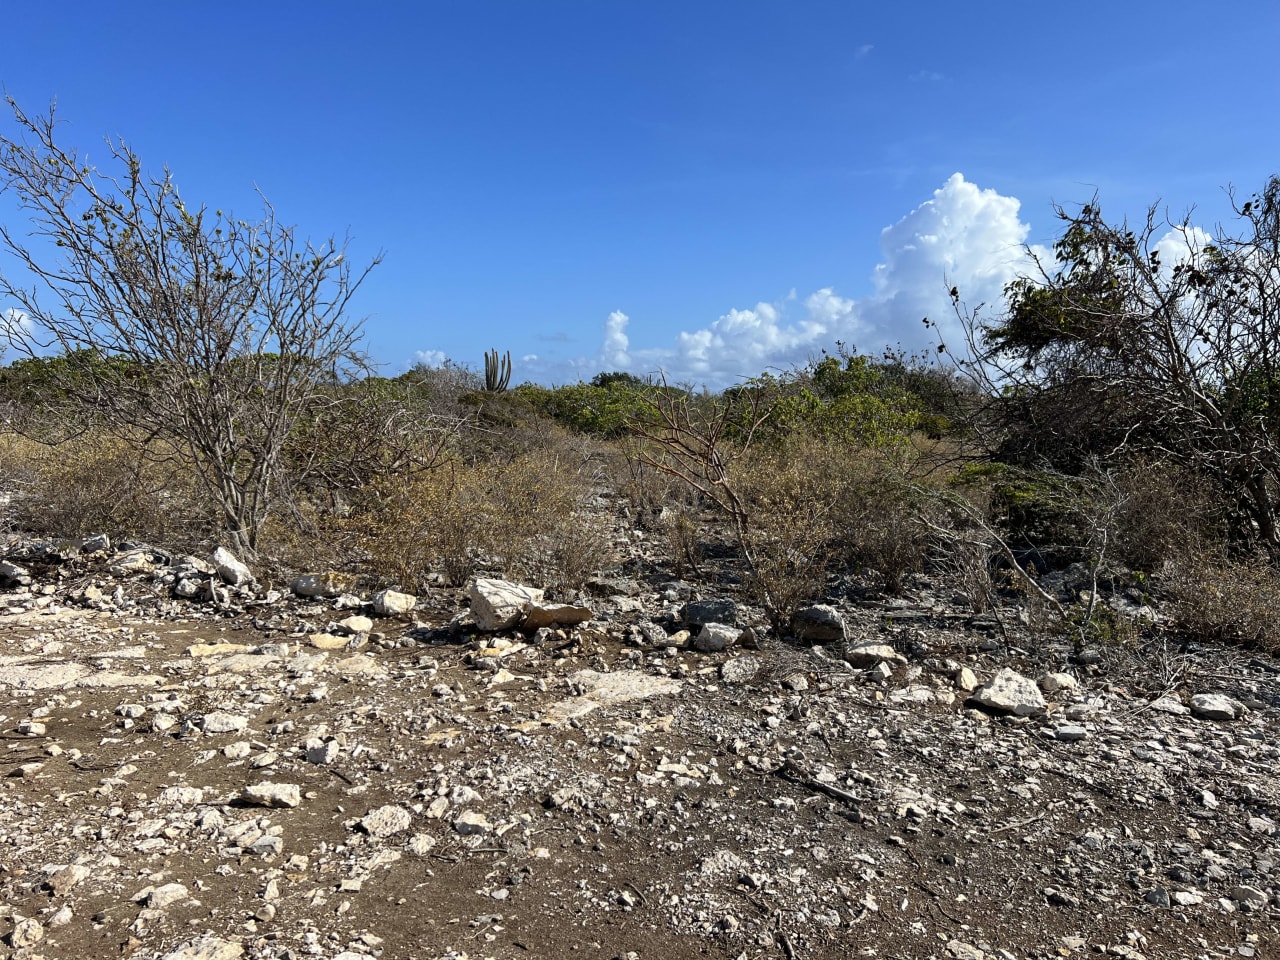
(844, 398)
(604, 408)
(1151, 340)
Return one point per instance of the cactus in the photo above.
(497, 371)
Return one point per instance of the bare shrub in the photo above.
(524, 517)
(100, 483)
(792, 497)
(451, 523)
(1167, 512)
(550, 535)
(1228, 601)
(882, 525)
(969, 565)
(18, 472)
(575, 547)
(961, 523)
(792, 561)
(647, 489)
(684, 539)
(213, 332)
(703, 442)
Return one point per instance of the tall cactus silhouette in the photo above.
(497, 371)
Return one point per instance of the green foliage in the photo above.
(619, 378)
(1034, 508)
(45, 381)
(845, 398)
(603, 408)
(1111, 354)
(1101, 626)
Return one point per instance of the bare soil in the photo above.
(624, 798)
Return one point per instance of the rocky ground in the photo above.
(196, 766)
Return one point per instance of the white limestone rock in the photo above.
(273, 794)
(499, 604)
(391, 603)
(1216, 706)
(1011, 692)
(230, 568)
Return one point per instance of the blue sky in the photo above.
(705, 188)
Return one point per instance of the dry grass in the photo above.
(684, 538)
(1226, 601)
(816, 507)
(651, 494)
(99, 483)
(1166, 513)
(526, 518)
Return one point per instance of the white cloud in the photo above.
(963, 236)
(613, 354)
(1178, 246)
(746, 342)
(430, 358)
(863, 51)
(17, 322)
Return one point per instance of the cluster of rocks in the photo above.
(313, 772)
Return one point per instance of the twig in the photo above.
(1016, 825)
(791, 771)
(938, 906)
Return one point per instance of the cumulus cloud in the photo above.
(613, 354)
(16, 321)
(1178, 245)
(746, 341)
(963, 236)
(430, 358)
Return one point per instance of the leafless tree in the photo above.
(214, 332)
(697, 440)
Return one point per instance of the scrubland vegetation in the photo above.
(200, 382)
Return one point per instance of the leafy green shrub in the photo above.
(1101, 626)
(847, 398)
(603, 408)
